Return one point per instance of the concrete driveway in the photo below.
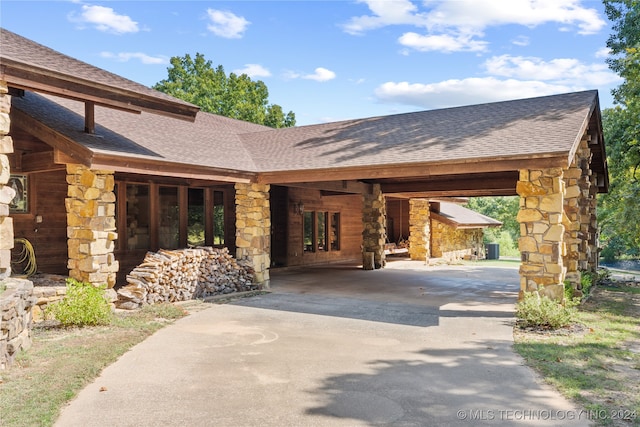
(409, 345)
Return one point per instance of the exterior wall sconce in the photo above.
(298, 208)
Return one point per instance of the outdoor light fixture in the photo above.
(298, 208)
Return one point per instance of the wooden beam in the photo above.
(42, 161)
(90, 117)
(476, 182)
(457, 193)
(75, 152)
(159, 167)
(463, 167)
(27, 76)
(336, 187)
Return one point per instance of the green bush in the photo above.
(587, 280)
(541, 311)
(83, 305)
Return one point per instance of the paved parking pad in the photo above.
(320, 351)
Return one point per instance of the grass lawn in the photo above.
(597, 362)
(64, 360)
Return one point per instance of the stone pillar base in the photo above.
(253, 229)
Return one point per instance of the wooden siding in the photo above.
(48, 191)
(397, 220)
(350, 209)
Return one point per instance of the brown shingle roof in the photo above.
(26, 59)
(211, 141)
(462, 217)
(527, 127)
(534, 126)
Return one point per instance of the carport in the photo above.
(549, 151)
(336, 346)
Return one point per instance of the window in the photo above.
(309, 227)
(321, 231)
(165, 216)
(218, 218)
(334, 235)
(169, 221)
(195, 217)
(137, 216)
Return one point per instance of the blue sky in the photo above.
(335, 60)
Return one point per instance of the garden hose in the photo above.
(28, 256)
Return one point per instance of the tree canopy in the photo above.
(620, 216)
(237, 96)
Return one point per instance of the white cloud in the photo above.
(568, 71)
(226, 24)
(478, 15)
(521, 41)
(143, 57)
(510, 77)
(105, 19)
(391, 12)
(447, 24)
(253, 70)
(603, 52)
(450, 93)
(446, 43)
(320, 75)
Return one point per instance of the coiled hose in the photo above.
(27, 256)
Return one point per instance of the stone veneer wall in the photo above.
(419, 229)
(6, 193)
(580, 215)
(253, 229)
(374, 232)
(91, 225)
(454, 244)
(541, 243)
(15, 318)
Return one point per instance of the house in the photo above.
(112, 169)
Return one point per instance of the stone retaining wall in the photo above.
(16, 303)
(44, 296)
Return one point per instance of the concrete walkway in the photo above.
(409, 345)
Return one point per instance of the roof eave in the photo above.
(38, 79)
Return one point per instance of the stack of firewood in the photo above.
(180, 275)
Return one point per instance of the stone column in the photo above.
(253, 229)
(6, 193)
(591, 220)
(541, 243)
(578, 214)
(374, 231)
(91, 225)
(419, 229)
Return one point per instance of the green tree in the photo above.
(620, 217)
(237, 96)
(505, 210)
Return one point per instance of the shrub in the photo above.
(541, 311)
(83, 305)
(587, 280)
